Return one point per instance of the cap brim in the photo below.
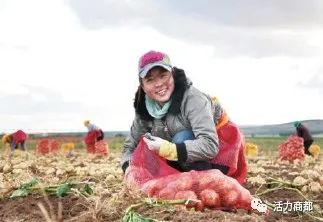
(148, 67)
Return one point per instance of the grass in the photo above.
(268, 145)
(116, 143)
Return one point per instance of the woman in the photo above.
(180, 118)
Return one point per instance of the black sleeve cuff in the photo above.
(181, 152)
(224, 169)
(125, 166)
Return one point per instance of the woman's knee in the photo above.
(183, 135)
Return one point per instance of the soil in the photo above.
(111, 205)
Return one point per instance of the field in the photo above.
(84, 187)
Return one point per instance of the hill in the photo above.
(285, 129)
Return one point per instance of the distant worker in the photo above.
(94, 135)
(93, 128)
(15, 140)
(303, 132)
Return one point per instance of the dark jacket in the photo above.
(303, 132)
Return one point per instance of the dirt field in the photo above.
(269, 179)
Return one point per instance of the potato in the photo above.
(230, 198)
(181, 183)
(167, 193)
(186, 195)
(152, 187)
(210, 198)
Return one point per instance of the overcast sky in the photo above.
(62, 62)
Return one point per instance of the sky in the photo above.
(66, 61)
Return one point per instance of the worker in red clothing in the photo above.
(15, 140)
(93, 135)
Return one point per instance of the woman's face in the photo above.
(158, 85)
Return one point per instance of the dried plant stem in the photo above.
(51, 209)
(44, 212)
(259, 188)
(280, 187)
(298, 191)
(314, 217)
(282, 182)
(157, 202)
(60, 212)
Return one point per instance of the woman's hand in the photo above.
(162, 147)
(154, 142)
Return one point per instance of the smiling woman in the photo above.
(158, 85)
(188, 129)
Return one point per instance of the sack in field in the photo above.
(151, 174)
(292, 149)
(46, 146)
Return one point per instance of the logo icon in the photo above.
(257, 204)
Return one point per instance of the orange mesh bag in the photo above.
(54, 146)
(232, 151)
(292, 149)
(146, 165)
(101, 148)
(210, 188)
(43, 146)
(46, 146)
(90, 148)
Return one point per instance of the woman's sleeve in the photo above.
(198, 111)
(139, 127)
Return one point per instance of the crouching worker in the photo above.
(303, 132)
(15, 140)
(93, 135)
(188, 129)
